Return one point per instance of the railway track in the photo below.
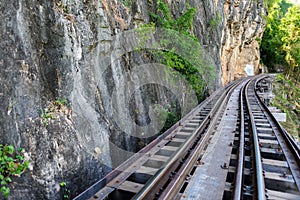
(260, 165)
(265, 160)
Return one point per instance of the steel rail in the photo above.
(261, 194)
(237, 195)
(176, 184)
(147, 192)
(292, 144)
(293, 147)
(99, 185)
(93, 189)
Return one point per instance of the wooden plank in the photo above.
(187, 129)
(269, 150)
(184, 133)
(272, 194)
(160, 158)
(195, 121)
(280, 182)
(264, 130)
(147, 170)
(180, 140)
(271, 153)
(256, 111)
(228, 186)
(261, 120)
(279, 177)
(198, 118)
(192, 125)
(248, 158)
(278, 163)
(231, 169)
(170, 148)
(259, 115)
(263, 125)
(131, 187)
(266, 136)
(154, 163)
(103, 192)
(274, 165)
(271, 142)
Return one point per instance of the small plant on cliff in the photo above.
(47, 115)
(127, 3)
(54, 107)
(11, 164)
(61, 101)
(215, 21)
(65, 191)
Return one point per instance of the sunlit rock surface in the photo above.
(243, 29)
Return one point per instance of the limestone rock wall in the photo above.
(53, 50)
(243, 28)
(44, 51)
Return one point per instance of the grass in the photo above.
(287, 99)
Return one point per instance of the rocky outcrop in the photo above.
(41, 58)
(243, 29)
(70, 96)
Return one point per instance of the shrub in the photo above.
(11, 164)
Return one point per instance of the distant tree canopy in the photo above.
(281, 41)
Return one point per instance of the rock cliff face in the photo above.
(243, 28)
(75, 51)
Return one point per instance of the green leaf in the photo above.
(63, 184)
(19, 157)
(10, 164)
(5, 191)
(8, 179)
(10, 149)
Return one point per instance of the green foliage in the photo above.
(287, 99)
(215, 21)
(63, 184)
(60, 6)
(281, 41)
(281, 47)
(193, 72)
(183, 24)
(166, 114)
(180, 50)
(290, 32)
(271, 46)
(65, 191)
(270, 3)
(11, 164)
(187, 70)
(127, 3)
(61, 101)
(47, 115)
(51, 111)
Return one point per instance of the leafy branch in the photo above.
(12, 163)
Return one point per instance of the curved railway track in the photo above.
(267, 164)
(264, 160)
